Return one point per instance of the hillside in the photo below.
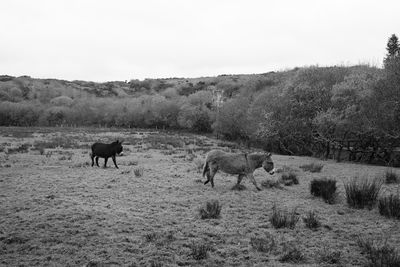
(336, 112)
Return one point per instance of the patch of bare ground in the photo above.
(57, 210)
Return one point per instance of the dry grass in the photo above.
(312, 167)
(292, 254)
(271, 184)
(67, 213)
(263, 244)
(329, 256)
(379, 253)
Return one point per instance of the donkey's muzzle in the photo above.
(272, 172)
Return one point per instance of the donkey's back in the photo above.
(227, 162)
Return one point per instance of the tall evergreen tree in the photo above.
(393, 48)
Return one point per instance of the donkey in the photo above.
(105, 151)
(242, 164)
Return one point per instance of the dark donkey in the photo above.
(105, 151)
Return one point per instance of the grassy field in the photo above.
(57, 210)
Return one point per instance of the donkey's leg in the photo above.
(240, 177)
(115, 163)
(92, 157)
(251, 177)
(213, 171)
(97, 161)
(105, 162)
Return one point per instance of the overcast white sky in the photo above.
(103, 40)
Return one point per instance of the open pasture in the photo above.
(57, 210)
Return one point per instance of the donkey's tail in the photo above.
(205, 168)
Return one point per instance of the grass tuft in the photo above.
(281, 218)
(325, 188)
(312, 167)
(263, 244)
(292, 254)
(212, 210)
(391, 177)
(328, 256)
(289, 179)
(362, 193)
(379, 254)
(138, 172)
(389, 206)
(199, 251)
(311, 220)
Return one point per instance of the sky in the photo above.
(110, 40)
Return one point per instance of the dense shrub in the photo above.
(362, 193)
(325, 188)
(389, 206)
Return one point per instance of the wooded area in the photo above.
(345, 113)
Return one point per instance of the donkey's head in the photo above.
(268, 164)
(117, 145)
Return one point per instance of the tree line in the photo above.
(345, 113)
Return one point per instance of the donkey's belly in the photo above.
(233, 169)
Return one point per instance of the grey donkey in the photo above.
(242, 164)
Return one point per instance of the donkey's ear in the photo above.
(117, 141)
(269, 154)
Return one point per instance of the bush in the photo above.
(289, 178)
(389, 206)
(311, 220)
(312, 167)
(325, 188)
(362, 193)
(391, 177)
(199, 251)
(262, 244)
(280, 218)
(212, 210)
(380, 254)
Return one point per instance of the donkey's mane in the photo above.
(257, 158)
